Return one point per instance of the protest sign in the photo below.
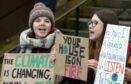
(27, 69)
(71, 56)
(111, 66)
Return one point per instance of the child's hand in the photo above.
(53, 56)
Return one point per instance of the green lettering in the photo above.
(48, 82)
(23, 61)
(115, 45)
(39, 83)
(17, 62)
(44, 61)
(25, 82)
(34, 61)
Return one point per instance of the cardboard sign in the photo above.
(72, 56)
(27, 69)
(111, 66)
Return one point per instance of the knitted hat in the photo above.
(40, 10)
(39, 4)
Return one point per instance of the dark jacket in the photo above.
(35, 50)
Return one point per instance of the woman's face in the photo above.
(41, 27)
(95, 28)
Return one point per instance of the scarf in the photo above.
(27, 43)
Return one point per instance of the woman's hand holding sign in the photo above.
(92, 63)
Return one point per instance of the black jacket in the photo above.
(34, 50)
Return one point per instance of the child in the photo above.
(40, 36)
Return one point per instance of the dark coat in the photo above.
(35, 50)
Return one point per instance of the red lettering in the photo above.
(106, 68)
(112, 66)
(79, 72)
(120, 68)
(66, 70)
(116, 67)
(73, 71)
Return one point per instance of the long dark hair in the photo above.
(107, 17)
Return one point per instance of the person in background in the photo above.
(49, 3)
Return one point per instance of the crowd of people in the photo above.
(40, 38)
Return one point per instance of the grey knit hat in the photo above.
(39, 11)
